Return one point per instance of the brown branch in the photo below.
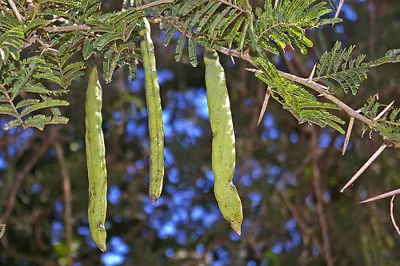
(316, 182)
(155, 3)
(66, 28)
(299, 218)
(84, 27)
(30, 258)
(323, 91)
(67, 201)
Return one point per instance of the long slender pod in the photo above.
(156, 129)
(223, 144)
(96, 162)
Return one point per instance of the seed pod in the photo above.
(223, 144)
(156, 130)
(96, 161)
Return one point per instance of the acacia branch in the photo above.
(53, 29)
(155, 3)
(305, 82)
(321, 89)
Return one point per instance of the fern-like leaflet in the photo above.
(298, 101)
(23, 79)
(388, 125)
(285, 23)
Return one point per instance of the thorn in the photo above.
(312, 72)
(365, 166)
(382, 196)
(253, 70)
(348, 134)
(233, 60)
(264, 105)
(384, 111)
(349, 129)
(338, 9)
(324, 93)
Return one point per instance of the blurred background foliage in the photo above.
(288, 175)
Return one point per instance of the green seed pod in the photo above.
(223, 145)
(96, 161)
(156, 129)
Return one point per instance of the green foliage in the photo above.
(67, 34)
(113, 40)
(339, 71)
(285, 24)
(110, 37)
(233, 24)
(209, 22)
(388, 125)
(297, 100)
(23, 94)
(11, 41)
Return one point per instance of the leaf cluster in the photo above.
(55, 40)
(234, 24)
(23, 95)
(303, 105)
(388, 124)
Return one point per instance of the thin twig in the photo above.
(382, 196)
(84, 27)
(365, 166)
(320, 89)
(15, 10)
(264, 105)
(299, 217)
(66, 28)
(392, 214)
(316, 182)
(46, 47)
(155, 3)
(67, 201)
(38, 260)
